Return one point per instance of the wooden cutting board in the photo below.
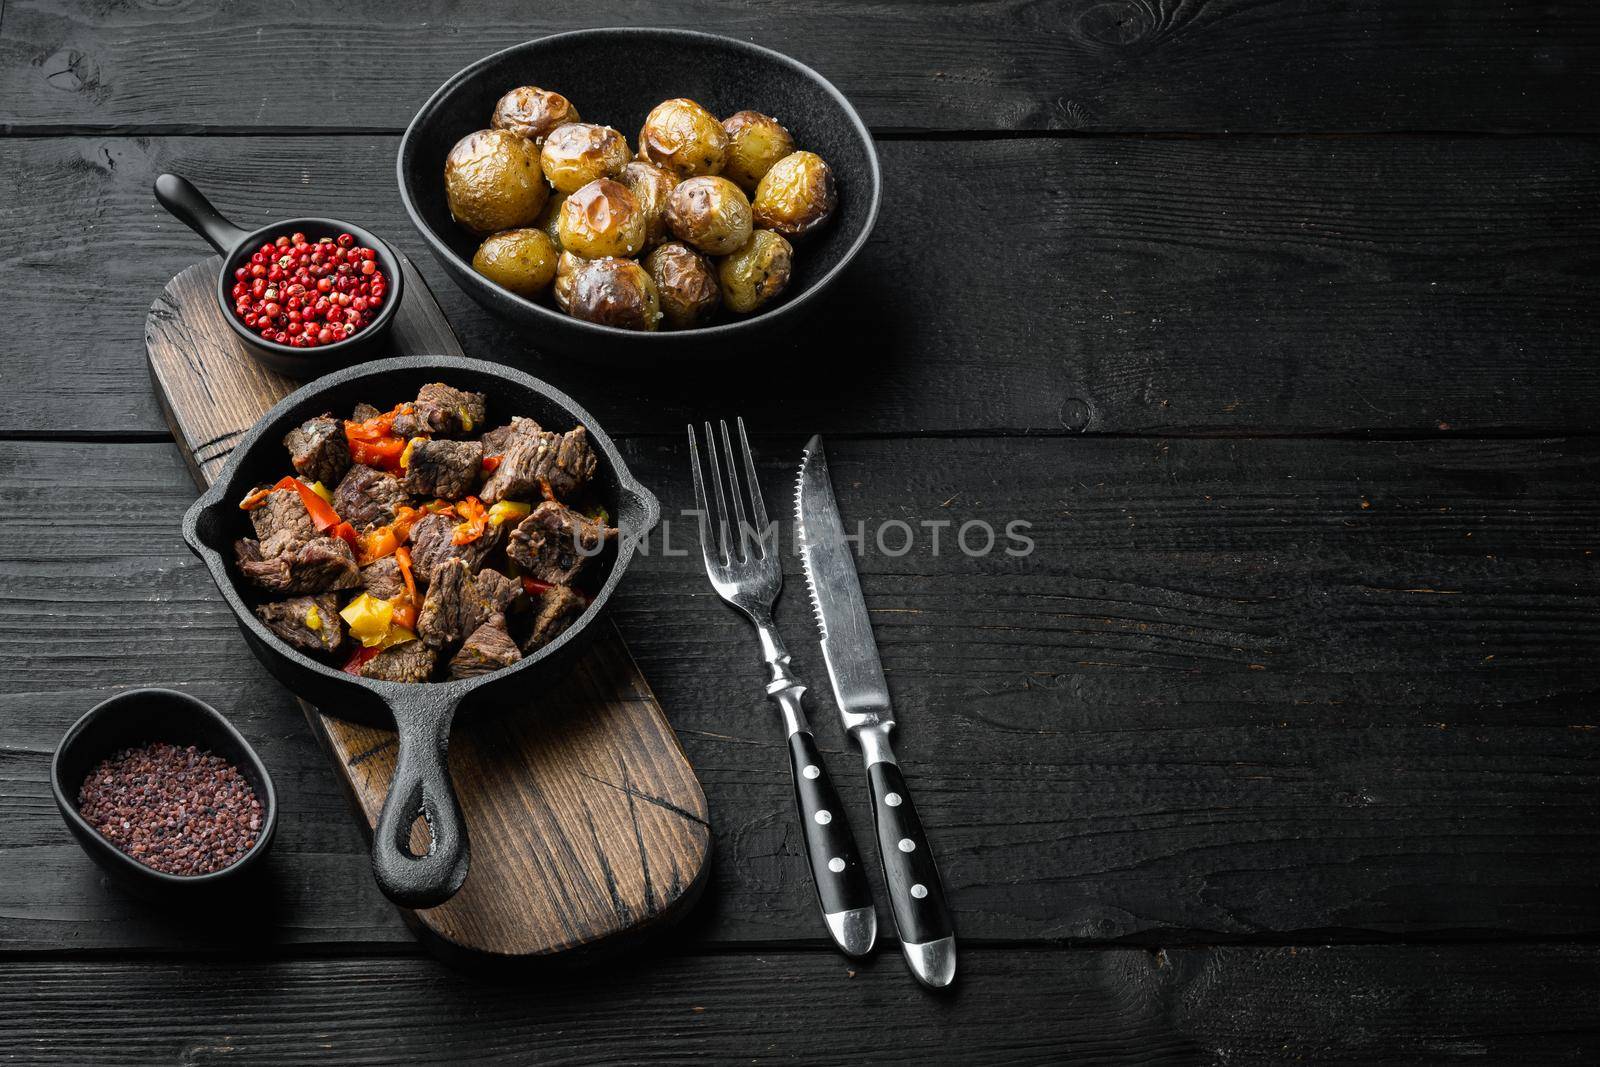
(588, 827)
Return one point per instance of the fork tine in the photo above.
(758, 506)
(702, 508)
(742, 530)
(722, 502)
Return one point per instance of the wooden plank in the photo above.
(1003, 65)
(1047, 286)
(1239, 688)
(588, 826)
(1357, 1005)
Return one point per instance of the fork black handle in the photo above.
(836, 868)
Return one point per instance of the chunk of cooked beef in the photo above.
(559, 608)
(366, 497)
(364, 411)
(431, 545)
(282, 512)
(409, 661)
(486, 649)
(497, 589)
(281, 565)
(447, 469)
(382, 578)
(454, 607)
(311, 623)
(554, 542)
(562, 460)
(497, 440)
(318, 450)
(441, 409)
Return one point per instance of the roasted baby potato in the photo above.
(523, 261)
(614, 292)
(652, 186)
(710, 213)
(492, 181)
(549, 219)
(567, 265)
(685, 284)
(532, 112)
(756, 273)
(796, 196)
(755, 143)
(684, 138)
(579, 152)
(602, 219)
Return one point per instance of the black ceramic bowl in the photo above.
(189, 206)
(140, 717)
(422, 713)
(614, 77)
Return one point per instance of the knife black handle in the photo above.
(915, 891)
(836, 868)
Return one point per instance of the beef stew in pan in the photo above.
(420, 544)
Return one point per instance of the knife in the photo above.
(916, 895)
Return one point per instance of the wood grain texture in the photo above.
(1240, 689)
(1104, 285)
(1360, 1005)
(1000, 65)
(588, 826)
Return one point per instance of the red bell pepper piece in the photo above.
(474, 520)
(359, 658)
(347, 533)
(382, 453)
(405, 614)
(323, 516)
(534, 587)
(373, 442)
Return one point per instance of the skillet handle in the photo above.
(190, 207)
(421, 786)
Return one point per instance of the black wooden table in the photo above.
(1276, 320)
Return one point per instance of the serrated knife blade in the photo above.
(841, 612)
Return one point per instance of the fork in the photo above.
(749, 577)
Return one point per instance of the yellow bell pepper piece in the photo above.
(368, 619)
(313, 618)
(323, 491)
(507, 511)
(397, 635)
(405, 456)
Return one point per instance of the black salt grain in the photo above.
(177, 810)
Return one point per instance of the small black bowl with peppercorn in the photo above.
(306, 295)
(165, 794)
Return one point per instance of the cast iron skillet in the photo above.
(615, 76)
(421, 714)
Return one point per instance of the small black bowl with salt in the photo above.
(180, 805)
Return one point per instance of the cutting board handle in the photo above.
(421, 786)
